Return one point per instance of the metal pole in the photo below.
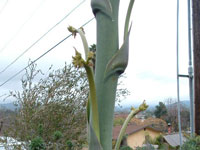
(190, 72)
(178, 98)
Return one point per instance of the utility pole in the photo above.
(196, 47)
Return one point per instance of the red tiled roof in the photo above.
(131, 128)
(121, 115)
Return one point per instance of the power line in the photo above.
(41, 38)
(42, 55)
(19, 30)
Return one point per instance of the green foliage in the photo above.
(149, 142)
(192, 144)
(165, 146)
(145, 148)
(161, 110)
(125, 148)
(37, 144)
(57, 135)
(148, 139)
(159, 140)
(93, 48)
(40, 129)
(140, 148)
(69, 145)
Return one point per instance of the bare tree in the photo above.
(55, 104)
(172, 117)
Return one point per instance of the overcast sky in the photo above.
(151, 73)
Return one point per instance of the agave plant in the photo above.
(111, 62)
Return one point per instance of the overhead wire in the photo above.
(25, 51)
(42, 55)
(21, 27)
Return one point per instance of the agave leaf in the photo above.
(102, 5)
(119, 61)
(128, 15)
(94, 142)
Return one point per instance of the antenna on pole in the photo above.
(190, 72)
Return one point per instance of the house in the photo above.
(136, 134)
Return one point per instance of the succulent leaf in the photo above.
(119, 61)
(128, 15)
(103, 6)
(95, 145)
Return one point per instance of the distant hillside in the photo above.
(185, 103)
(9, 106)
(127, 108)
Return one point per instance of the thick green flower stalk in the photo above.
(111, 61)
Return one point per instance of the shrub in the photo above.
(192, 144)
(37, 144)
(126, 148)
(69, 145)
(159, 140)
(57, 135)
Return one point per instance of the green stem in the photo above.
(93, 101)
(123, 129)
(78, 61)
(133, 112)
(84, 41)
